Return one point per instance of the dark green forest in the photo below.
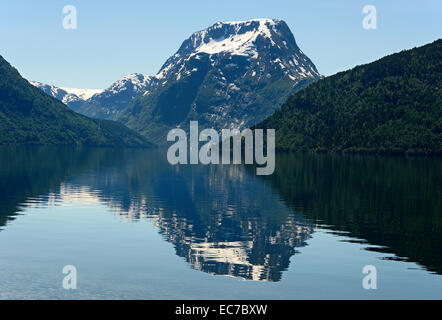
(390, 201)
(393, 105)
(29, 116)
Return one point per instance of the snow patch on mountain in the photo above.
(227, 70)
(109, 103)
(83, 94)
(246, 39)
(239, 41)
(66, 95)
(100, 103)
(230, 75)
(136, 82)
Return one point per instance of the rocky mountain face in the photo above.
(231, 75)
(109, 103)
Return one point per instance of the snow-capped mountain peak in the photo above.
(53, 91)
(109, 103)
(100, 103)
(70, 96)
(237, 38)
(136, 81)
(230, 75)
(264, 41)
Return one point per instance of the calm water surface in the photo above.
(137, 228)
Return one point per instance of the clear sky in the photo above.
(115, 38)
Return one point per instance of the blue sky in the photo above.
(115, 38)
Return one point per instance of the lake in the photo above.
(136, 227)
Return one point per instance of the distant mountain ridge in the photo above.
(393, 105)
(73, 98)
(109, 103)
(231, 75)
(100, 104)
(30, 116)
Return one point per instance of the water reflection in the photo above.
(226, 221)
(393, 202)
(220, 219)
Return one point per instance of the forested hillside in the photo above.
(393, 105)
(30, 116)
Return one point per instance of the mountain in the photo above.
(109, 103)
(73, 98)
(30, 116)
(393, 105)
(231, 75)
(100, 104)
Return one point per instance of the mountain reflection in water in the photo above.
(224, 220)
